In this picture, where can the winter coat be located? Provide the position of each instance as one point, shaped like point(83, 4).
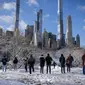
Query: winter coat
point(48, 60)
point(83, 60)
point(62, 61)
point(15, 61)
point(69, 60)
point(26, 61)
point(42, 61)
point(4, 61)
point(31, 61)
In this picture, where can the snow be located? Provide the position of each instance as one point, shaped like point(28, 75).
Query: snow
point(20, 77)
point(8, 82)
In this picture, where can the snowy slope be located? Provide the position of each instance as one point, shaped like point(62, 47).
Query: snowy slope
point(19, 77)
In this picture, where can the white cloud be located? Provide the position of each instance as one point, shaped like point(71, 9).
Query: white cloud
point(9, 6)
point(1, 26)
point(33, 2)
point(22, 25)
point(7, 19)
point(55, 21)
point(46, 16)
point(11, 27)
point(84, 27)
point(84, 20)
point(81, 7)
point(35, 11)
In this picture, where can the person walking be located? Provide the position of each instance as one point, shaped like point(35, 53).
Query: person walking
point(31, 62)
point(48, 63)
point(83, 63)
point(15, 62)
point(62, 62)
point(26, 64)
point(4, 62)
point(42, 64)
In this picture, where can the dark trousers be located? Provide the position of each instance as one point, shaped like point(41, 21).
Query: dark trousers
point(15, 66)
point(41, 69)
point(49, 68)
point(54, 66)
point(84, 70)
point(68, 68)
point(26, 68)
point(31, 68)
point(62, 69)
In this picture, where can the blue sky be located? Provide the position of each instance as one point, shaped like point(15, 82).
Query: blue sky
point(75, 8)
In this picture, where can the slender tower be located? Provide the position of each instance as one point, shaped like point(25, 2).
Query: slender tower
point(60, 25)
point(16, 29)
point(17, 18)
point(69, 31)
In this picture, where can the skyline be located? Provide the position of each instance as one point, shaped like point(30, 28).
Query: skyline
point(28, 15)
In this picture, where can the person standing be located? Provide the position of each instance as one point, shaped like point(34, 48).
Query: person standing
point(26, 64)
point(83, 63)
point(42, 63)
point(62, 62)
point(4, 62)
point(69, 61)
point(54, 64)
point(48, 63)
point(68, 64)
point(15, 62)
point(31, 62)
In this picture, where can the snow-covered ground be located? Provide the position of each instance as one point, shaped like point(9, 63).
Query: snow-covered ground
point(20, 77)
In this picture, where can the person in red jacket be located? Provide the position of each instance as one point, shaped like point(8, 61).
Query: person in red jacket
point(83, 63)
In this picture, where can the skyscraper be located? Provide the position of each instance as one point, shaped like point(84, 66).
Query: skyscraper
point(29, 33)
point(78, 40)
point(35, 34)
point(16, 30)
point(38, 17)
point(60, 24)
point(69, 31)
point(38, 29)
point(39, 20)
point(1, 31)
point(45, 39)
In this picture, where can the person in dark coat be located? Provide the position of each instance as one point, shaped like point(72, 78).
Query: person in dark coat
point(31, 62)
point(4, 62)
point(42, 64)
point(68, 64)
point(83, 63)
point(15, 62)
point(69, 61)
point(48, 63)
point(62, 62)
point(26, 64)
point(54, 64)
